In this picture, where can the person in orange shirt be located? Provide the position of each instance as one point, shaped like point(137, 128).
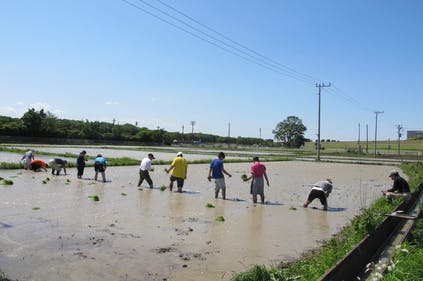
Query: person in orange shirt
point(38, 165)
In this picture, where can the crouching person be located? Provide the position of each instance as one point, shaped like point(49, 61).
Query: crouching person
point(320, 190)
point(38, 165)
point(57, 164)
point(400, 188)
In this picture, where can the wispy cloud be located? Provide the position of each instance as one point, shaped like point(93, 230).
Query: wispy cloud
point(9, 111)
point(111, 103)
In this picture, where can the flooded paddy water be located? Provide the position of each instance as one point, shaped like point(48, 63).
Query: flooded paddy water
point(54, 231)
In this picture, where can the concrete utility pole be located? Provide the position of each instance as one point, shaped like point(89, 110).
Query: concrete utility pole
point(376, 113)
point(358, 142)
point(229, 129)
point(319, 86)
point(192, 129)
point(399, 128)
point(367, 139)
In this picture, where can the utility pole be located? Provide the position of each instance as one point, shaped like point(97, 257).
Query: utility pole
point(399, 128)
point(183, 132)
point(376, 113)
point(319, 86)
point(367, 139)
point(229, 130)
point(192, 129)
point(358, 142)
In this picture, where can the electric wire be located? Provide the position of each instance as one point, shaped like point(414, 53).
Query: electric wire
point(235, 48)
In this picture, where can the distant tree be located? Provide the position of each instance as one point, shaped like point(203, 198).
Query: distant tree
point(290, 132)
point(32, 121)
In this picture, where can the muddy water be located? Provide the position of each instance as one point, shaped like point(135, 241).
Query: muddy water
point(133, 234)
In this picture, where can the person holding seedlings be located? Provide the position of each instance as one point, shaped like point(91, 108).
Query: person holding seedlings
point(38, 165)
point(400, 187)
point(145, 167)
point(100, 165)
point(80, 163)
point(27, 158)
point(258, 172)
point(57, 164)
point(179, 174)
point(216, 172)
point(321, 190)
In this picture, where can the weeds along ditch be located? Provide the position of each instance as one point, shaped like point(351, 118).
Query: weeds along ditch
point(311, 265)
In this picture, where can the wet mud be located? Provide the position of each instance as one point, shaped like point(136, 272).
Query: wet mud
point(54, 230)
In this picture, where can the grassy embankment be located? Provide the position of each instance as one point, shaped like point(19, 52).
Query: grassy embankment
point(314, 264)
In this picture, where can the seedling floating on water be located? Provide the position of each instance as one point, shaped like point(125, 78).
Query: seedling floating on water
point(123, 194)
point(292, 208)
point(220, 218)
point(35, 208)
point(44, 181)
point(209, 205)
point(140, 189)
point(6, 182)
point(244, 177)
point(94, 197)
point(163, 188)
point(68, 180)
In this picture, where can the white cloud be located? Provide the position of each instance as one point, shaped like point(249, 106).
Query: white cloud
point(9, 111)
point(40, 105)
point(111, 103)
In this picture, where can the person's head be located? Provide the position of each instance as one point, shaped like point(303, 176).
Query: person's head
point(221, 155)
point(99, 155)
point(393, 174)
point(83, 152)
point(179, 154)
point(151, 156)
point(255, 159)
point(329, 180)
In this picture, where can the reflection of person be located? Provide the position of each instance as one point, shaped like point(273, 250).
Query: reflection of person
point(57, 164)
point(145, 167)
point(216, 172)
point(258, 171)
point(80, 163)
point(400, 187)
point(100, 165)
point(27, 158)
point(179, 174)
point(38, 165)
point(321, 190)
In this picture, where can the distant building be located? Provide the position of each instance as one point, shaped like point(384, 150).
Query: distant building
point(414, 134)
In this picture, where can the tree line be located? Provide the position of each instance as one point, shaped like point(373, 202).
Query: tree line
point(42, 123)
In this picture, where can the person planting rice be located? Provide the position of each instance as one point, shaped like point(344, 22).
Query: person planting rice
point(38, 165)
point(57, 164)
point(258, 171)
point(400, 187)
point(100, 165)
point(145, 167)
point(179, 174)
point(216, 172)
point(321, 190)
point(27, 158)
point(80, 163)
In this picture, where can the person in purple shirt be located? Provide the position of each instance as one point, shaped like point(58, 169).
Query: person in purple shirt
point(216, 172)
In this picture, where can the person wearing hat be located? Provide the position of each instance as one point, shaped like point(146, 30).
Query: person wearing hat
point(179, 169)
point(27, 158)
point(38, 165)
point(400, 187)
point(57, 164)
point(100, 165)
point(321, 190)
point(80, 163)
point(145, 167)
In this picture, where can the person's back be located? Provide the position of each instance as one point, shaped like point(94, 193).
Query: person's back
point(257, 169)
point(180, 167)
point(402, 185)
point(324, 186)
point(216, 165)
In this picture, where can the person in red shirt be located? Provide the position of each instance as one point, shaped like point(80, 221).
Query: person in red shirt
point(38, 165)
point(258, 172)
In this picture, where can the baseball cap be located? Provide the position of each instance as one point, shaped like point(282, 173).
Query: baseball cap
point(179, 153)
point(393, 173)
point(151, 155)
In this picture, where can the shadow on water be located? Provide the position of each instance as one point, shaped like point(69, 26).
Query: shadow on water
point(330, 209)
point(5, 225)
point(235, 200)
point(274, 203)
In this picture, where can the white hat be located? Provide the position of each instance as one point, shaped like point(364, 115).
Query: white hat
point(179, 153)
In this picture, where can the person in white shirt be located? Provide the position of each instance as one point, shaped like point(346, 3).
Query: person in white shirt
point(321, 190)
point(27, 158)
point(145, 167)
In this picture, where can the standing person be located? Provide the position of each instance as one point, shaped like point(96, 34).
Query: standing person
point(57, 164)
point(400, 187)
point(179, 174)
point(80, 163)
point(27, 158)
point(100, 165)
point(321, 190)
point(38, 165)
point(216, 172)
point(258, 171)
point(145, 167)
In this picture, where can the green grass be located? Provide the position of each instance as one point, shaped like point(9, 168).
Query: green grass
point(6, 182)
point(220, 218)
point(209, 205)
point(312, 265)
point(94, 197)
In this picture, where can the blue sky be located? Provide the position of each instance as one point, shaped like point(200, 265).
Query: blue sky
point(107, 59)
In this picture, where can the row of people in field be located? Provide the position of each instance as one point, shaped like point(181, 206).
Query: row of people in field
point(179, 166)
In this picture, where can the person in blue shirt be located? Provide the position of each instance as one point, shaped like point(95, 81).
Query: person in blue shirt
point(100, 165)
point(216, 172)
